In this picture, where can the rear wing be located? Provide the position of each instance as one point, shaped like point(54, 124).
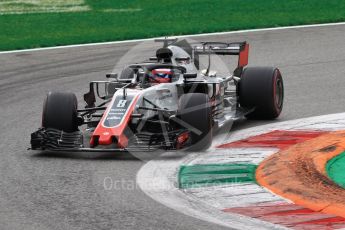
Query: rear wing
point(241, 49)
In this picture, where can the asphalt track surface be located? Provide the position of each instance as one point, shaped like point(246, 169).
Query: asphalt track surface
point(66, 191)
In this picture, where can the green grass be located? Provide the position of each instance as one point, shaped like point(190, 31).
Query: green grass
point(159, 18)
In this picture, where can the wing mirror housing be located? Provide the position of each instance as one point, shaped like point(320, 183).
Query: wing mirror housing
point(187, 76)
point(111, 75)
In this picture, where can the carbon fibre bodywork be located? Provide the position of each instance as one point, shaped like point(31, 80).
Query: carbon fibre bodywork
point(136, 114)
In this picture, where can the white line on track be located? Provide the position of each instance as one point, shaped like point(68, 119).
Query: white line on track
point(182, 36)
point(158, 178)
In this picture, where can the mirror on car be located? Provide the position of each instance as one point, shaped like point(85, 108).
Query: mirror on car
point(189, 75)
point(154, 59)
point(111, 75)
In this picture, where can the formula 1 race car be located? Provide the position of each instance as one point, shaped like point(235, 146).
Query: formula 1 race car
point(166, 102)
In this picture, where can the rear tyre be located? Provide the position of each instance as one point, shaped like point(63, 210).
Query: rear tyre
point(196, 112)
point(262, 88)
point(60, 111)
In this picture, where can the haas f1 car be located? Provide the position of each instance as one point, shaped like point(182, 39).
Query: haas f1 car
point(167, 102)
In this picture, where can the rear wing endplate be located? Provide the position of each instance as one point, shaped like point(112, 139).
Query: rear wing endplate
point(241, 49)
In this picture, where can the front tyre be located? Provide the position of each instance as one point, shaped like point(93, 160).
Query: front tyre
point(195, 111)
point(262, 88)
point(60, 111)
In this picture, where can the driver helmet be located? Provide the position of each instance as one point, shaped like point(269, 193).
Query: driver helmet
point(158, 76)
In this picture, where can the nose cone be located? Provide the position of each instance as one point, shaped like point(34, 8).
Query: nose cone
point(115, 120)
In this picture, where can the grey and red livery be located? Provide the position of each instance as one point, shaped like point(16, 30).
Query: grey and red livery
point(168, 102)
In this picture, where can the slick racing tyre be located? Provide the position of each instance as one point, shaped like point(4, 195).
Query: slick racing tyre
point(196, 112)
point(261, 88)
point(60, 111)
